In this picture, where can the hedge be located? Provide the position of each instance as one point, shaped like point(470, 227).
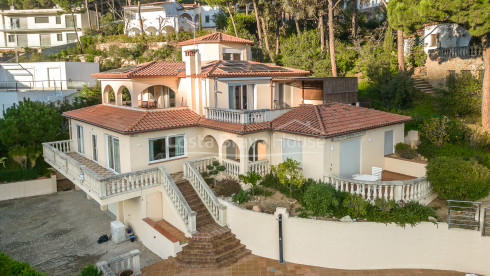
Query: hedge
point(12, 175)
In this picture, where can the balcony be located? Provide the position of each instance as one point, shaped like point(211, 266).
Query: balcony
point(453, 52)
point(242, 116)
point(99, 183)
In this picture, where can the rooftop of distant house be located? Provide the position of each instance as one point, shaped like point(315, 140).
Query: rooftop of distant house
point(216, 38)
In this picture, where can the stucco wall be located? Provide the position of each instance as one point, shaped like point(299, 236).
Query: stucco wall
point(135, 210)
point(361, 245)
point(405, 166)
point(28, 188)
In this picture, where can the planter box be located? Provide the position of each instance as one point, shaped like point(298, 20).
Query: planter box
point(405, 166)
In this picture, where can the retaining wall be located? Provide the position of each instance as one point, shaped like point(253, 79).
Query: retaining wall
point(28, 188)
point(361, 245)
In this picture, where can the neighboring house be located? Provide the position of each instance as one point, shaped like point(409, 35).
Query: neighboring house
point(43, 81)
point(164, 118)
point(168, 17)
point(369, 5)
point(40, 28)
point(451, 50)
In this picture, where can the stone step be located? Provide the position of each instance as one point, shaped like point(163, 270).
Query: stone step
point(198, 258)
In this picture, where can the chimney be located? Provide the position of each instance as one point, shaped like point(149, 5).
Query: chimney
point(192, 59)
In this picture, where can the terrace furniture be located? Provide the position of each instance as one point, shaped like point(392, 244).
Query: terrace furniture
point(366, 177)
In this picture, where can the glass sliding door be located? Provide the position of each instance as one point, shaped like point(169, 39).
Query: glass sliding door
point(95, 151)
point(240, 96)
point(113, 154)
point(80, 145)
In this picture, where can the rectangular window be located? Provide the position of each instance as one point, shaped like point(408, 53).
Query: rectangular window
point(94, 148)
point(11, 38)
point(167, 147)
point(58, 19)
point(113, 154)
point(79, 139)
point(434, 40)
point(70, 21)
point(292, 149)
point(41, 19)
point(59, 37)
point(15, 23)
point(232, 56)
point(241, 96)
point(226, 56)
point(71, 37)
point(206, 19)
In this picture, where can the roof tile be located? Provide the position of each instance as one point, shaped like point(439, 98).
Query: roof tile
point(150, 69)
point(215, 38)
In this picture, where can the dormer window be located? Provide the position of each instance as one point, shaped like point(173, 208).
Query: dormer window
point(232, 56)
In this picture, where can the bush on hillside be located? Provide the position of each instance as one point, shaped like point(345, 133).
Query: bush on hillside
point(458, 179)
point(462, 95)
point(405, 151)
point(12, 267)
point(321, 199)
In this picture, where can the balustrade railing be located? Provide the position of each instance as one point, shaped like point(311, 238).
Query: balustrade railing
point(126, 182)
point(243, 116)
point(469, 51)
point(232, 167)
point(217, 210)
point(201, 164)
point(116, 265)
point(178, 200)
point(406, 190)
point(261, 167)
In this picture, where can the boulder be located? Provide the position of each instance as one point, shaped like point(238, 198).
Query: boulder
point(432, 219)
point(346, 219)
point(256, 208)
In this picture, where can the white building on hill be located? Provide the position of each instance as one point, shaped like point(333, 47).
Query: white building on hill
point(40, 28)
point(168, 17)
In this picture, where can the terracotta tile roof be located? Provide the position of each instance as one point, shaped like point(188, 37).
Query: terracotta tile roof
point(334, 119)
point(234, 127)
point(215, 38)
point(149, 69)
point(127, 121)
point(231, 68)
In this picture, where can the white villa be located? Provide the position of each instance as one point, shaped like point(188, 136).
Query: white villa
point(40, 28)
point(140, 153)
point(168, 17)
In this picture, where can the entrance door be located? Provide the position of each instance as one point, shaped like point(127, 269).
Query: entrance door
point(54, 77)
point(350, 158)
point(388, 142)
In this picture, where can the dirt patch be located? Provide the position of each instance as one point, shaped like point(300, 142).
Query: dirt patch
point(268, 204)
point(440, 207)
point(64, 185)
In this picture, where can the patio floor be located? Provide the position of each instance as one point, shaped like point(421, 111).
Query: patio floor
point(392, 176)
point(255, 265)
point(93, 166)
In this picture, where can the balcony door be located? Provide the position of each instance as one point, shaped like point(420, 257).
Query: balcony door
point(350, 158)
point(113, 154)
point(241, 96)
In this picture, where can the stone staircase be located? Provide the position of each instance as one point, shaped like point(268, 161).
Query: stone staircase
point(213, 246)
point(422, 85)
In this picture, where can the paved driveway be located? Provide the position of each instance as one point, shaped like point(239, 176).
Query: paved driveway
point(58, 233)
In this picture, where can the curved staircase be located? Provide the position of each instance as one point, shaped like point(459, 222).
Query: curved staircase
point(213, 246)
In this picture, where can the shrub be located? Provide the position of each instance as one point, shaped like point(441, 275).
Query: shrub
point(390, 211)
point(321, 199)
point(458, 179)
point(260, 191)
point(288, 174)
point(12, 175)
point(251, 178)
point(272, 181)
point(462, 96)
point(355, 206)
point(241, 197)
point(405, 151)
point(227, 187)
point(12, 267)
point(90, 270)
point(434, 130)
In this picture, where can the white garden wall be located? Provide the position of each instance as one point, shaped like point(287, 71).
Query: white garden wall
point(361, 245)
point(28, 188)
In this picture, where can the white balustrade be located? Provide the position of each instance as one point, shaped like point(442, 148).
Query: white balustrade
point(403, 190)
point(261, 167)
point(217, 210)
point(232, 167)
point(116, 265)
point(182, 207)
point(243, 116)
point(201, 164)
